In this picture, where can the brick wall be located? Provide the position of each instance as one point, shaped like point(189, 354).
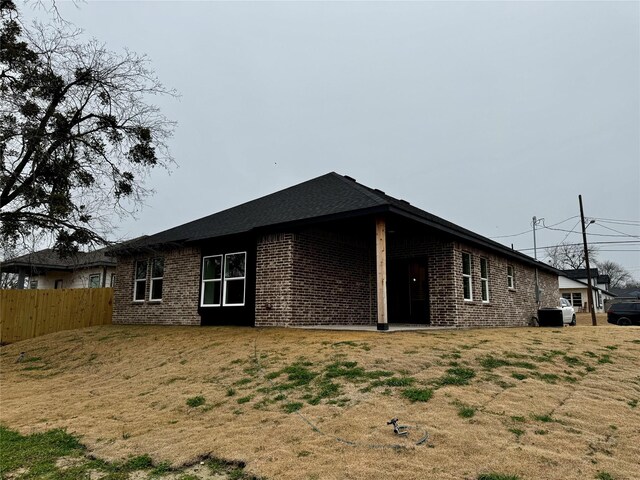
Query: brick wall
point(506, 307)
point(315, 277)
point(179, 305)
point(274, 279)
point(334, 279)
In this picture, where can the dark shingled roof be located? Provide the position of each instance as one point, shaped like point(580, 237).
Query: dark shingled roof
point(48, 259)
point(323, 198)
point(579, 273)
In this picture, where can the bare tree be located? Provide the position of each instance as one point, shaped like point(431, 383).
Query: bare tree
point(618, 275)
point(78, 135)
point(569, 256)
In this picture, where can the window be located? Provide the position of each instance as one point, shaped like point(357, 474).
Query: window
point(223, 280)
point(112, 281)
point(566, 296)
point(564, 302)
point(234, 278)
point(33, 284)
point(94, 280)
point(140, 283)
point(466, 276)
point(58, 284)
point(511, 281)
point(484, 279)
point(576, 299)
point(211, 281)
point(157, 274)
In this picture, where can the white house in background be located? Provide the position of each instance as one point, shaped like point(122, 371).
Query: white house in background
point(46, 269)
point(574, 285)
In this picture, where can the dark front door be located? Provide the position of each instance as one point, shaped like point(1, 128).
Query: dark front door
point(408, 291)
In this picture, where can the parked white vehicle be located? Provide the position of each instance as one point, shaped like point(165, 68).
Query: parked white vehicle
point(568, 312)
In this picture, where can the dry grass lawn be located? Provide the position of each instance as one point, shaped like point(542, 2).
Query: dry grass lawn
point(557, 403)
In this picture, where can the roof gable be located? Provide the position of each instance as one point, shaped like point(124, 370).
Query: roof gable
point(322, 198)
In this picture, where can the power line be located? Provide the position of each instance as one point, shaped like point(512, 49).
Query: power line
point(623, 222)
point(616, 242)
point(531, 230)
point(618, 231)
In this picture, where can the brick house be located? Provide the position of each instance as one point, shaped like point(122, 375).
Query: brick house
point(328, 251)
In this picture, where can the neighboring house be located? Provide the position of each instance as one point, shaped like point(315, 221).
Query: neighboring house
point(574, 285)
point(631, 292)
point(328, 251)
point(45, 269)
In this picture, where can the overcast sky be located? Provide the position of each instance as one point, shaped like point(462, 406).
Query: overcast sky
point(484, 113)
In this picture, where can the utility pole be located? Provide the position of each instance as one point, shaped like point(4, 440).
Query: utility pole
point(586, 261)
point(536, 222)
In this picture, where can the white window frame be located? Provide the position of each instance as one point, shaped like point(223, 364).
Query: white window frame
point(484, 281)
point(136, 280)
point(511, 277)
point(225, 279)
point(467, 277)
point(152, 289)
point(203, 281)
point(94, 275)
point(112, 280)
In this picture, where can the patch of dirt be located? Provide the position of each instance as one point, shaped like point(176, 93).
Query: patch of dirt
point(124, 391)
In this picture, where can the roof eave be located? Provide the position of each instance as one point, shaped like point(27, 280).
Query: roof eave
point(477, 240)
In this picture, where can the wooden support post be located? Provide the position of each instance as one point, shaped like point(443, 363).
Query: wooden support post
point(381, 272)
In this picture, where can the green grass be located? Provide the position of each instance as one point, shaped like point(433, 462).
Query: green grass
point(518, 432)
point(465, 411)
point(195, 401)
point(38, 453)
point(542, 418)
point(518, 376)
point(497, 476)
point(457, 376)
point(606, 358)
point(417, 394)
point(398, 382)
point(604, 476)
point(292, 407)
point(490, 362)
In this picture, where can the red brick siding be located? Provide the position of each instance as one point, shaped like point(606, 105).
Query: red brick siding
point(274, 279)
point(314, 277)
point(180, 290)
point(333, 279)
point(506, 307)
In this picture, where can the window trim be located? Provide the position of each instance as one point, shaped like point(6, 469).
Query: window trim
point(467, 277)
point(511, 277)
point(91, 276)
point(484, 281)
point(136, 280)
point(225, 279)
point(203, 281)
point(152, 278)
point(112, 280)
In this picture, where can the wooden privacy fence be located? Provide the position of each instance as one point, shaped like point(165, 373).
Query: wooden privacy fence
point(30, 313)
